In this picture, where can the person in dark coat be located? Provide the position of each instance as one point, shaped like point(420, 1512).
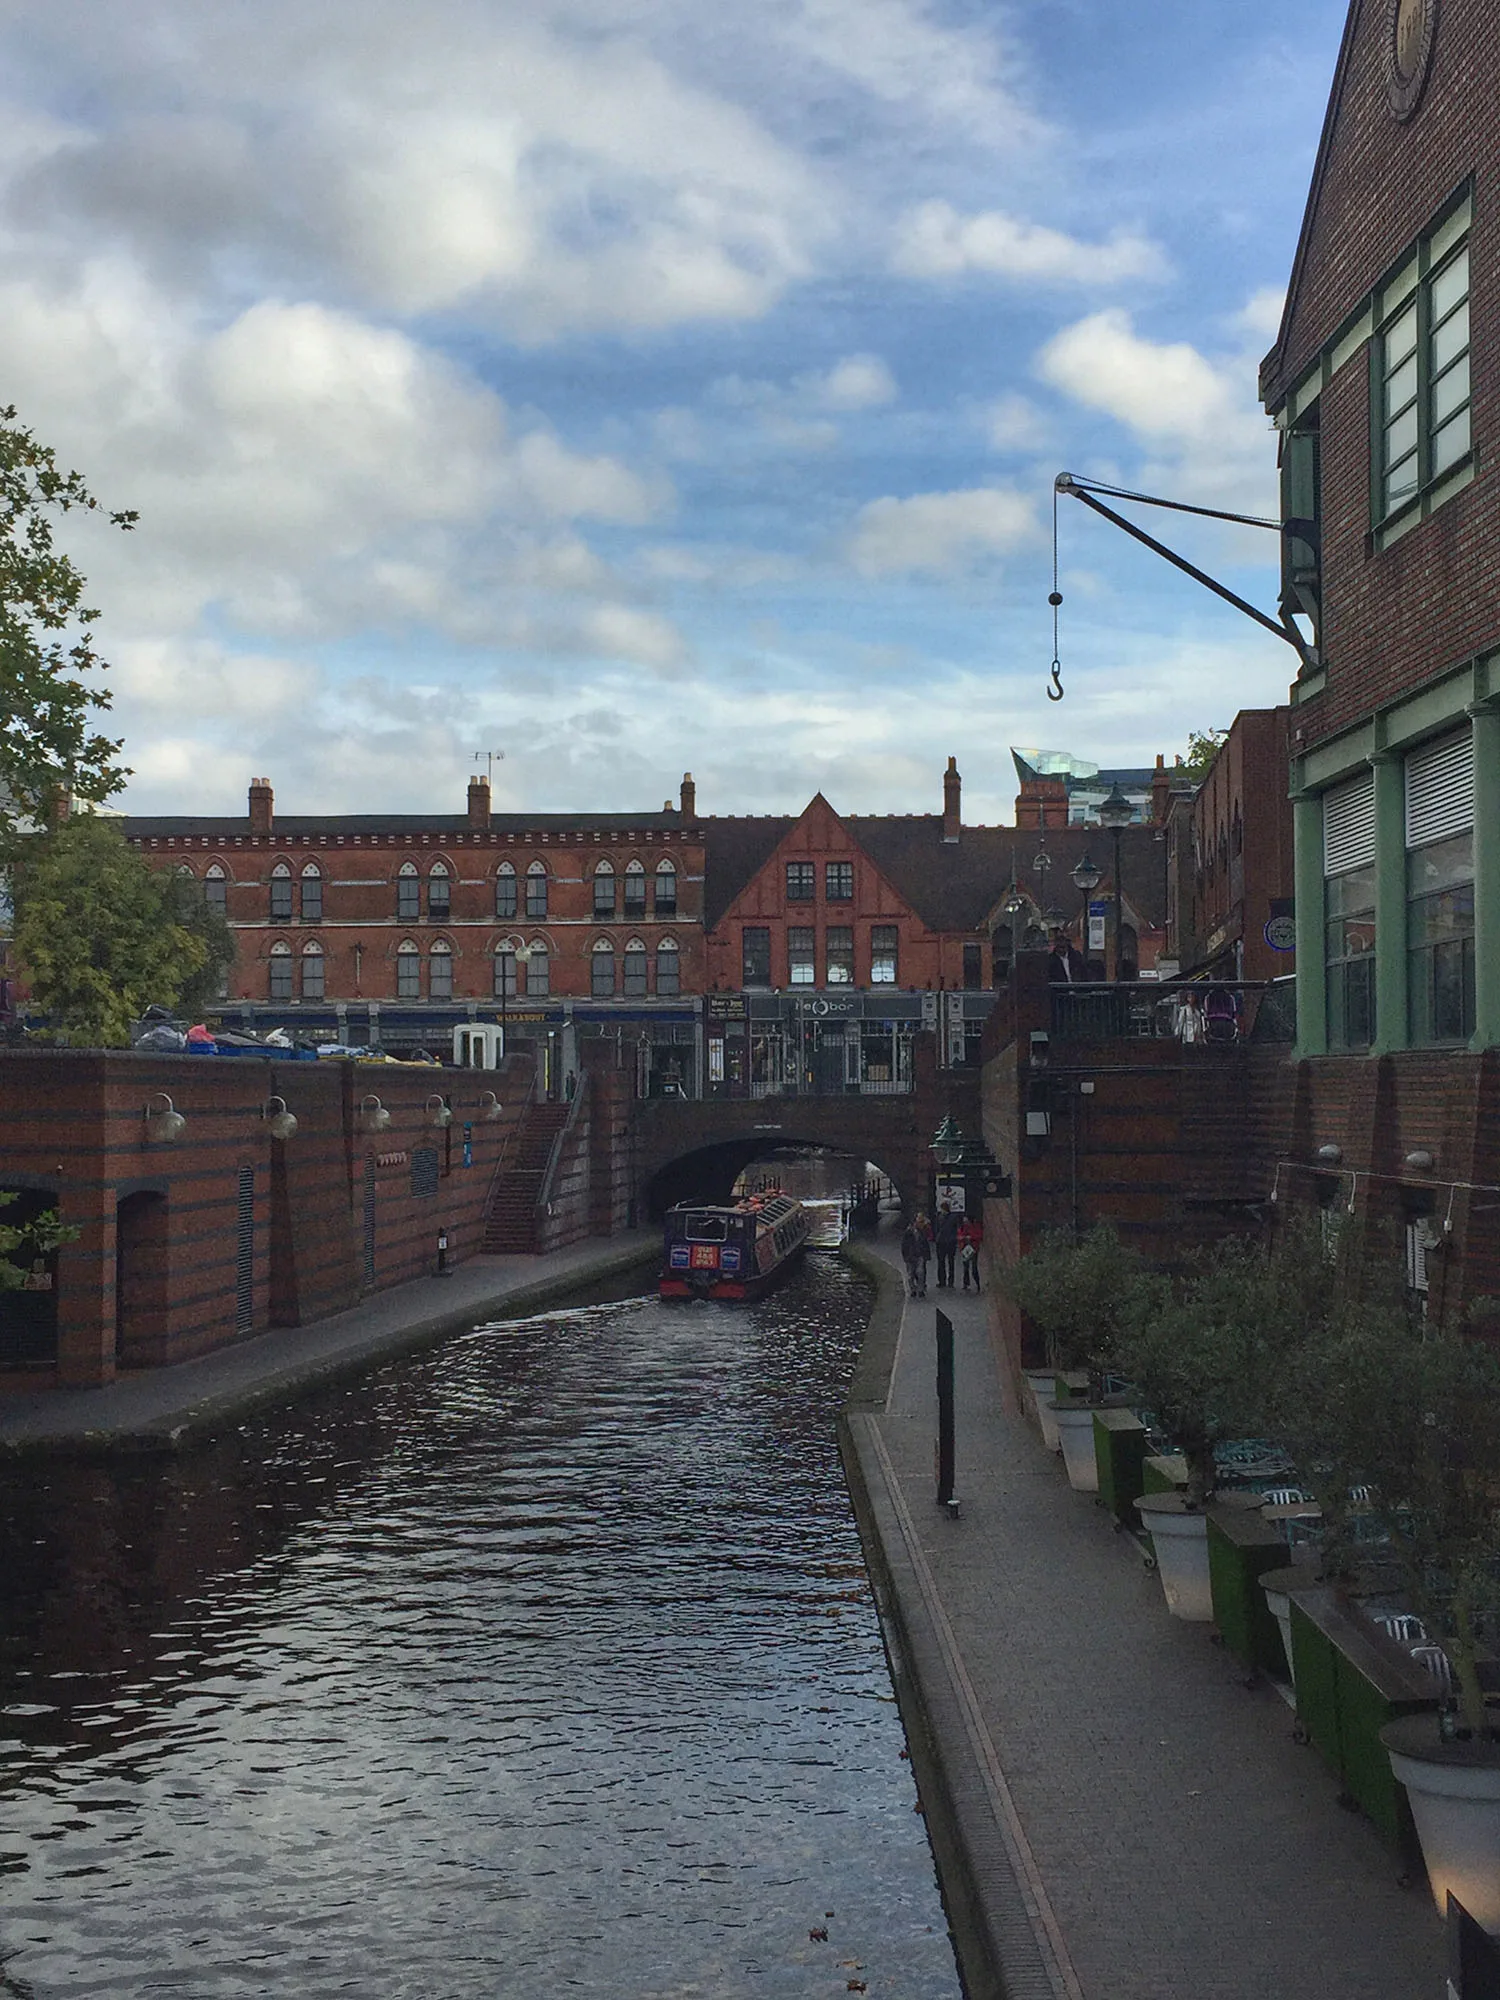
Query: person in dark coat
point(945, 1239)
point(914, 1249)
point(1066, 961)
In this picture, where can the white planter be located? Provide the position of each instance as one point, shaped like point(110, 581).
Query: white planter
point(1454, 1789)
point(1279, 1604)
point(1042, 1384)
point(1180, 1542)
point(1075, 1431)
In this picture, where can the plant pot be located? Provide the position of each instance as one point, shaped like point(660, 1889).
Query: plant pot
point(1075, 1431)
point(1454, 1790)
point(1179, 1537)
point(1042, 1385)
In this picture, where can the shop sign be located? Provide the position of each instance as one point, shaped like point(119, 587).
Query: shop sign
point(726, 1006)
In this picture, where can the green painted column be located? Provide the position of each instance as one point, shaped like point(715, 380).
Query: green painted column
point(1390, 903)
point(1312, 977)
point(1486, 722)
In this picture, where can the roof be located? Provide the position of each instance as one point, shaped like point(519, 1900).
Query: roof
point(292, 825)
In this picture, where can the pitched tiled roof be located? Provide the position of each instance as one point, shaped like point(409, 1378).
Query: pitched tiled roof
point(735, 851)
point(293, 824)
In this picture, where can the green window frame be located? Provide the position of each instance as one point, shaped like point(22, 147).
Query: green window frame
point(1421, 386)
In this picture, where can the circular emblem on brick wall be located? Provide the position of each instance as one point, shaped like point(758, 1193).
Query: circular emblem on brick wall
point(1410, 34)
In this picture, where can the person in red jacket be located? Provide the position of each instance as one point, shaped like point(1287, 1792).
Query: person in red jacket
point(970, 1236)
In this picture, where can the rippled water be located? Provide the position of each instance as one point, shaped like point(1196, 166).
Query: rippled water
point(541, 1664)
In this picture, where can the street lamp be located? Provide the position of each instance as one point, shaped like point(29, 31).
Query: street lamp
point(947, 1143)
point(520, 955)
point(1085, 878)
point(1115, 812)
point(1040, 865)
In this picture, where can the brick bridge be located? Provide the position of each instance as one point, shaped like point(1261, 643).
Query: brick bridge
point(697, 1149)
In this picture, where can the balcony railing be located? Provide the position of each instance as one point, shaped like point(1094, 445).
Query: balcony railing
point(1218, 1012)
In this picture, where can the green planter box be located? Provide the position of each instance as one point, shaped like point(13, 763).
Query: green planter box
point(1349, 1685)
point(1120, 1450)
point(1241, 1548)
point(1071, 1385)
point(1167, 1474)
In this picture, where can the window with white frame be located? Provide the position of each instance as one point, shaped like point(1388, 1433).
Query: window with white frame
point(408, 894)
point(312, 894)
point(801, 955)
point(279, 980)
point(838, 953)
point(505, 891)
point(281, 894)
point(312, 972)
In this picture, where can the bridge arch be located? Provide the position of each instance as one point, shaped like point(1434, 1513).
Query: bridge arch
point(708, 1173)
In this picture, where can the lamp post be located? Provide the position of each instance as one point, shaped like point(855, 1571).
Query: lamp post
point(1085, 877)
point(1040, 865)
point(1116, 812)
point(520, 954)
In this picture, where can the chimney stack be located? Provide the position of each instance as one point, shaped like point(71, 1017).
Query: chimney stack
point(479, 804)
point(952, 788)
point(688, 802)
point(260, 805)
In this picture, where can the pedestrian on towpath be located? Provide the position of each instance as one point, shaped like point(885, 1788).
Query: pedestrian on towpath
point(914, 1253)
point(970, 1236)
point(946, 1240)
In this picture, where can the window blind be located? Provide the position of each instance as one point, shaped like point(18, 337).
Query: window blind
point(1440, 789)
point(1349, 826)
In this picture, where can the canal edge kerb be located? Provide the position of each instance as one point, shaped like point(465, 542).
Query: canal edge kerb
point(869, 1390)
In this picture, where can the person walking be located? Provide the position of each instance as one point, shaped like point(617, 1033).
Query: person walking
point(914, 1250)
point(946, 1240)
point(1066, 962)
point(970, 1236)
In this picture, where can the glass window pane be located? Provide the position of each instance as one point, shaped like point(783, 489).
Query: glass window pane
point(1451, 442)
point(1401, 340)
point(1449, 286)
point(1450, 339)
point(1401, 389)
point(1450, 391)
point(539, 974)
point(1401, 482)
point(801, 968)
point(756, 956)
point(1401, 436)
point(667, 971)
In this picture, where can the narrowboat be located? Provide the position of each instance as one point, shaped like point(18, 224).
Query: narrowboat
point(733, 1252)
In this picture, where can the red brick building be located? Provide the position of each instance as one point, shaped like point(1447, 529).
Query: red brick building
point(1229, 845)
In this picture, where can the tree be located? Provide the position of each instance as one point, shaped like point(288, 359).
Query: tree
point(1203, 747)
point(47, 747)
point(98, 932)
point(38, 1238)
point(1080, 1296)
point(202, 989)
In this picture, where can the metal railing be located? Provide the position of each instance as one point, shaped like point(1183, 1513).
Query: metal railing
point(1211, 1012)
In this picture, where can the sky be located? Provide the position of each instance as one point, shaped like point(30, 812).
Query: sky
point(634, 387)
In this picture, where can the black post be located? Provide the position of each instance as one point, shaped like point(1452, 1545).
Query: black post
point(1118, 917)
point(1473, 1956)
point(945, 1412)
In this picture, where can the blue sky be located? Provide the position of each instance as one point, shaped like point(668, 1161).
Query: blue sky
point(637, 387)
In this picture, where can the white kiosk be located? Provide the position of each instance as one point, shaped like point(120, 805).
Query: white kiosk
point(478, 1045)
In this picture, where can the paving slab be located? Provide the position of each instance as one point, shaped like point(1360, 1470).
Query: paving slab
point(1134, 1822)
point(164, 1408)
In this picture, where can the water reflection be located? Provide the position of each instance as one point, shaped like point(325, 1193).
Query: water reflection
point(544, 1663)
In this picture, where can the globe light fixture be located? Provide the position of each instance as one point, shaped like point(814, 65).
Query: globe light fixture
point(280, 1122)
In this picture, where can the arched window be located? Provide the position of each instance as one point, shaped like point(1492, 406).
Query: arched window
point(440, 971)
point(668, 969)
point(538, 971)
point(666, 888)
point(505, 891)
point(505, 968)
point(635, 970)
point(281, 894)
point(279, 986)
point(215, 888)
point(604, 893)
point(635, 893)
point(439, 900)
point(408, 970)
point(408, 895)
point(312, 894)
point(536, 889)
point(603, 986)
point(312, 971)
point(1002, 951)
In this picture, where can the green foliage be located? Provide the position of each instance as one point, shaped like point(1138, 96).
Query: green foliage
point(201, 990)
point(1079, 1296)
point(1203, 747)
point(21, 1246)
point(47, 746)
point(1207, 1349)
point(98, 931)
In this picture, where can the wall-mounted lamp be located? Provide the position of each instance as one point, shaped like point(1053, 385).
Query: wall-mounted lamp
point(164, 1122)
point(1330, 1155)
point(1421, 1161)
point(280, 1122)
point(491, 1107)
point(373, 1116)
point(439, 1111)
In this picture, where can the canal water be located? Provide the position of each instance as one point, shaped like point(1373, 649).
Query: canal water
point(541, 1664)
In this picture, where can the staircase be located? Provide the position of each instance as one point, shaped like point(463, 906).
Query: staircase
point(511, 1222)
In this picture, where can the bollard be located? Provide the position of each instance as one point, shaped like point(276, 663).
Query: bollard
point(442, 1256)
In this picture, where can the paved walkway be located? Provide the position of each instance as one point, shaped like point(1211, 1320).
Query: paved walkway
point(160, 1408)
point(1138, 1825)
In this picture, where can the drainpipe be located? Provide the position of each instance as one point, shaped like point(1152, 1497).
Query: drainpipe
point(1312, 977)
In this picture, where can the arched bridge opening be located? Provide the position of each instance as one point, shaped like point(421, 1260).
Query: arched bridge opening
point(709, 1173)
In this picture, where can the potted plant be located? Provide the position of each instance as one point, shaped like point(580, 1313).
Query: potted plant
point(1077, 1294)
point(1412, 1414)
point(1204, 1349)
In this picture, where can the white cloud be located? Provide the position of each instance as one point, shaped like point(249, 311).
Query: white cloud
point(1014, 423)
point(1260, 316)
point(858, 382)
point(934, 241)
point(938, 533)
